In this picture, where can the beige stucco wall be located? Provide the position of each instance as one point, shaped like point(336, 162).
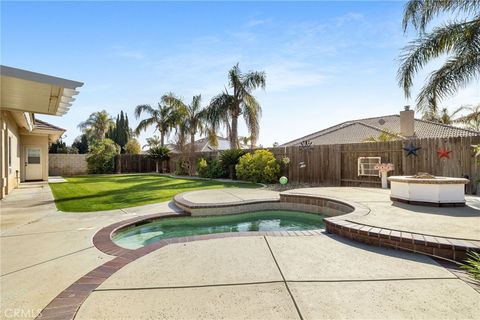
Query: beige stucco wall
point(36, 141)
point(67, 164)
point(9, 129)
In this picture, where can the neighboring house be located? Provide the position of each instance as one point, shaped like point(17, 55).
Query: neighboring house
point(403, 126)
point(203, 145)
point(25, 140)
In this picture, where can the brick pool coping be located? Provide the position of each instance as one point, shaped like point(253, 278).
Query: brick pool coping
point(68, 302)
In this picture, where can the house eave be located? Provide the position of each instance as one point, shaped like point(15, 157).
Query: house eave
point(28, 91)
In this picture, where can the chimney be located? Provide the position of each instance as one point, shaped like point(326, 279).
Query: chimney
point(407, 122)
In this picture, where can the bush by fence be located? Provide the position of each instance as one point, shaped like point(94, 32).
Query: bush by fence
point(337, 165)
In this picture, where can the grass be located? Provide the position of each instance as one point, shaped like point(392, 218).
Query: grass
point(107, 192)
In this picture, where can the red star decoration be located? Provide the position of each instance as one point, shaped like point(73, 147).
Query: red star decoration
point(444, 153)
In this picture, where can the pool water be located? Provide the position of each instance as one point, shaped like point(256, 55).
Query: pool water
point(143, 235)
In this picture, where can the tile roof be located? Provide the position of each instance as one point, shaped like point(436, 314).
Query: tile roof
point(42, 125)
point(356, 131)
point(203, 144)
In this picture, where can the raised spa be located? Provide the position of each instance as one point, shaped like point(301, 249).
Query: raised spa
point(425, 189)
point(143, 235)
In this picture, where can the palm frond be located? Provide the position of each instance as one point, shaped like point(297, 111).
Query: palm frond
point(143, 108)
point(254, 80)
point(173, 101)
point(252, 112)
point(144, 124)
point(448, 38)
point(456, 73)
point(472, 119)
point(419, 13)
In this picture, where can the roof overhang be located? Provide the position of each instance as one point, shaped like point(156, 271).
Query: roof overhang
point(24, 120)
point(27, 91)
point(42, 128)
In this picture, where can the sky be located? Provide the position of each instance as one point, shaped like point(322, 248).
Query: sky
point(326, 62)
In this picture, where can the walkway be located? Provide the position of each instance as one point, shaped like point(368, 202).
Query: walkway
point(43, 251)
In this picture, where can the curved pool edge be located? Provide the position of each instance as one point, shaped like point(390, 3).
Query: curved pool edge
point(293, 201)
point(68, 302)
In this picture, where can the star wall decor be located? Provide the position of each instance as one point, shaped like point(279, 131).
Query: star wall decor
point(443, 153)
point(412, 150)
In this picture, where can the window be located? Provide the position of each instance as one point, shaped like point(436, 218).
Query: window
point(366, 166)
point(33, 156)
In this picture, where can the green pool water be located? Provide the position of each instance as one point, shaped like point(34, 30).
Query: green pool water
point(143, 235)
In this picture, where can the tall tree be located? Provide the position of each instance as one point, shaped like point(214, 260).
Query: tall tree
point(162, 118)
point(192, 115)
point(153, 142)
point(472, 119)
point(81, 143)
point(226, 108)
point(442, 116)
point(97, 125)
point(120, 133)
point(458, 39)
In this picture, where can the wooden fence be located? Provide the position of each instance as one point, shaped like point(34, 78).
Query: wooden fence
point(337, 165)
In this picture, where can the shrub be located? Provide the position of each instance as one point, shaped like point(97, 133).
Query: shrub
point(158, 154)
point(212, 169)
point(132, 147)
point(100, 158)
point(182, 167)
point(61, 147)
point(472, 264)
point(261, 166)
point(229, 160)
point(202, 167)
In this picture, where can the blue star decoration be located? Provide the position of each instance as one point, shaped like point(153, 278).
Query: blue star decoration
point(412, 150)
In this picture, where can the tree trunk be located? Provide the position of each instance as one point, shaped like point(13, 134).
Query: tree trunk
point(192, 142)
point(156, 166)
point(192, 155)
point(234, 133)
point(162, 138)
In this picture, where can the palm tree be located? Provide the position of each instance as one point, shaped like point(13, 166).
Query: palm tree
point(244, 141)
point(153, 142)
point(458, 39)
point(384, 136)
point(97, 125)
point(472, 119)
point(442, 116)
point(225, 108)
point(191, 117)
point(158, 154)
point(162, 118)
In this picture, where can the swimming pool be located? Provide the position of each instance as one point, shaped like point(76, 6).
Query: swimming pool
point(143, 235)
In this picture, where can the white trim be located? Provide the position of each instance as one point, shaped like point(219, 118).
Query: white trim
point(39, 77)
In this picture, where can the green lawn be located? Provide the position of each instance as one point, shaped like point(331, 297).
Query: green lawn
point(106, 192)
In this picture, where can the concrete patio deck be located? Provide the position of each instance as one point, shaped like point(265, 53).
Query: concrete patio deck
point(44, 251)
point(459, 222)
point(316, 277)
